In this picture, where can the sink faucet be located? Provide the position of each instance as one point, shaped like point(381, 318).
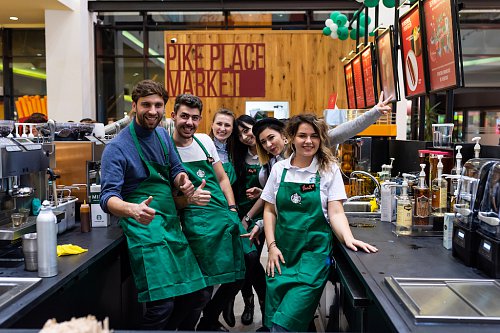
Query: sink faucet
point(376, 192)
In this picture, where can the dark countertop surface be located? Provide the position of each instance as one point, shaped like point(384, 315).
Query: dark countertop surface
point(414, 257)
point(99, 242)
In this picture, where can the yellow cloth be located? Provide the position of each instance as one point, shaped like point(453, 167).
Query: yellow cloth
point(67, 249)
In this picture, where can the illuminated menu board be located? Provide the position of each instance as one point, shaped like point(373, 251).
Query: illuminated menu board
point(358, 82)
point(441, 44)
point(349, 84)
point(386, 64)
point(369, 80)
point(412, 52)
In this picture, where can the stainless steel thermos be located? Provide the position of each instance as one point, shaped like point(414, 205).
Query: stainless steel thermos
point(46, 229)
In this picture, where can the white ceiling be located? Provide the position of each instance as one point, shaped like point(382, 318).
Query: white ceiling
point(29, 12)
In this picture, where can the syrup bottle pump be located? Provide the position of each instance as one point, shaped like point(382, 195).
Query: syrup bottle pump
point(404, 209)
point(422, 200)
point(477, 146)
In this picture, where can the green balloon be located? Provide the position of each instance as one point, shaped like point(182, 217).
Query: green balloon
point(389, 3)
point(327, 31)
point(334, 15)
point(343, 33)
point(362, 20)
point(341, 20)
point(353, 33)
point(371, 3)
point(371, 34)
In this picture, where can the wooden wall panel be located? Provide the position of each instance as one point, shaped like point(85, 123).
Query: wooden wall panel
point(302, 67)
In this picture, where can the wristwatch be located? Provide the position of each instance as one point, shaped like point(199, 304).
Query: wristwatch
point(247, 218)
point(233, 207)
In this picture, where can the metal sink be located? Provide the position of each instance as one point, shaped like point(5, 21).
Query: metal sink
point(448, 300)
point(12, 288)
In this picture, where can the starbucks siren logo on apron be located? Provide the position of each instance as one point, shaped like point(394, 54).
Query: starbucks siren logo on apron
point(200, 173)
point(296, 198)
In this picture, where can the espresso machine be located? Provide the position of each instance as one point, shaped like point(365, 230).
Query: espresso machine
point(488, 259)
point(23, 165)
point(470, 191)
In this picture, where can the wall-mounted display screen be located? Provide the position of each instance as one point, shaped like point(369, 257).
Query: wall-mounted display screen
point(349, 85)
point(357, 72)
point(386, 61)
point(442, 48)
point(368, 77)
point(411, 32)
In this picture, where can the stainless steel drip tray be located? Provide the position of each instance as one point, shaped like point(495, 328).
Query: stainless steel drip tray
point(448, 300)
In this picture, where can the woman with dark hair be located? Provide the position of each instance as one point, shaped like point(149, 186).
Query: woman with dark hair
point(247, 190)
point(303, 202)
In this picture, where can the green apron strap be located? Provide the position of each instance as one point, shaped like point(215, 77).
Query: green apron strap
point(139, 149)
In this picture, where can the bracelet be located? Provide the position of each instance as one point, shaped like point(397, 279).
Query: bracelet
point(233, 207)
point(271, 244)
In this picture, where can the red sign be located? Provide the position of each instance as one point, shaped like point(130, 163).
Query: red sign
point(440, 44)
point(358, 82)
point(366, 59)
point(386, 61)
point(216, 70)
point(332, 101)
point(349, 83)
point(411, 51)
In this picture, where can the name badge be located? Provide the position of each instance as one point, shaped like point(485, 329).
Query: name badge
point(307, 188)
point(251, 171)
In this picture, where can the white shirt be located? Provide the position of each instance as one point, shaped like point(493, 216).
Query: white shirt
point(331, 184)
point(251, 159)
point(193, 152)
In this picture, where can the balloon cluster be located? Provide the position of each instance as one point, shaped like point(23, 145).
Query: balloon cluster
point(374, 3)
point(337, 26)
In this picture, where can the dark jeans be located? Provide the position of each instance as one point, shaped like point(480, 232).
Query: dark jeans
point(157, 314)
point(255, 275)
point(187, 310)
point(222, 296)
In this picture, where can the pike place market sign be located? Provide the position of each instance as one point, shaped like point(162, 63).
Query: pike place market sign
point(216, 70)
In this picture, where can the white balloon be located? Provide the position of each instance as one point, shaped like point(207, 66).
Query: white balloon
point(346, 24)
point(328, 22)
point(334, 35)
point(360, 1)
point(334, 27)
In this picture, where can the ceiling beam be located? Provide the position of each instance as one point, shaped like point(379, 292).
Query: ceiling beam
point(221, 5)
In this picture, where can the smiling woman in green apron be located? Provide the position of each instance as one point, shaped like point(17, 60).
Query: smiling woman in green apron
point(139, 167)
point(303, 198)
point(212, 230)
point(223, 134)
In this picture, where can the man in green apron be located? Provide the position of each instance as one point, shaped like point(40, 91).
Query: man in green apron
point(213, 230)
point(139, 168)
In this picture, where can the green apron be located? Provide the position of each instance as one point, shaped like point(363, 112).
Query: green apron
point(213, 230)
point(251, 180)
point(305, 239)
point(230, 172)
point(247, 245)
point(162, 262)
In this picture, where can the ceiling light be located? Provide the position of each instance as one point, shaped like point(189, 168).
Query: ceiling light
point(14, 18)
point(33, 68)
point(135, 74)
point(39, 54)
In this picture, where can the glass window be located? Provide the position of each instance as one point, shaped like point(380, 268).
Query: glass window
point(119, 43)
point(156, 69)
point(116, 78)
point(27, 42)
point(250, 19)
point(156, 43)
point(112, 18)
point(480, 71)
point(208, 19)
point(29, 76)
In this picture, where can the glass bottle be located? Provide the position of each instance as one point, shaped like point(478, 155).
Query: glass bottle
point(422, 200)
point(403, 211)
point(439, 190)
